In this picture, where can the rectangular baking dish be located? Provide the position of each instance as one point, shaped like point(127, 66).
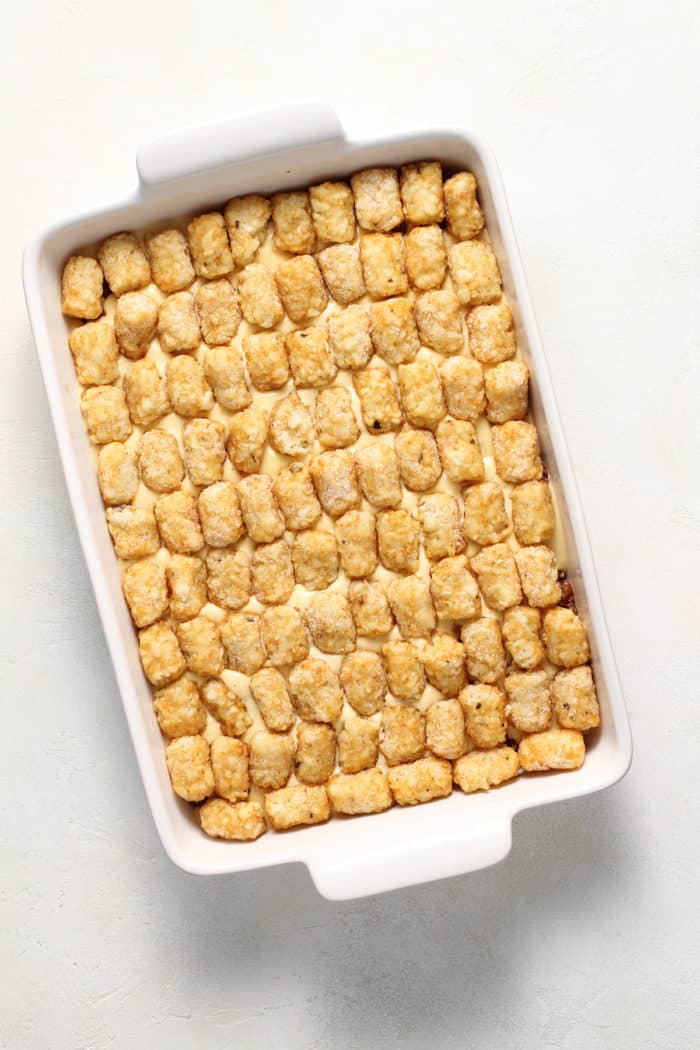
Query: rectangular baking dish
point(192, 171)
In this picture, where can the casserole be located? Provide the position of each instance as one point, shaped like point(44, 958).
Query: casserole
point(270, 151)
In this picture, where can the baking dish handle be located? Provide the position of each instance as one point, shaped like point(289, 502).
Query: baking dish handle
point(407, 865)
point(279, 129)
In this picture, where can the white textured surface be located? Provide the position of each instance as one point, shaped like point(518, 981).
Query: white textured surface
point(586, 936)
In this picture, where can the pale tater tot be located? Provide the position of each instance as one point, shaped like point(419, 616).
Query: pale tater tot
point(552, 749)
point(491, 333)
point(398, 539)
point(421, 192)
point(259, 297)
point(482, 770)
point(296, 496)
point(474, 272)
point(348, 334)
point(412, 606)
point(209, 246)
point(160, 463)
point(233, 821)
point(464, 216)
point(485, 516)
point(188, 390)
point(379, 401)
point(529, 700)
point(415, 782)
point(292, 225)
point(200, 641)
point(393, 330)
point(81, 288)
point(421, 394)
point(301, 288)
point(179, 709)
point(284, 636)
point(133, 530)
point(378, 473)
point(273, 574)
point(444, 729)
point(363, 680)
point(565, 638)
point(223, 368)
point(229, 577)
point(218, 311)
point(335, 480)
point(310, 357)
point(336, 425)
point(266, 357)
point(370, 608)
point(135, 323)
point(291, 426)
point(418, 458)
point(145, 590)
point(533, 512)
point(463, 384)
point(191, 775)
point(575, 699)
point(459, 450)
point(261, 515)
point(498, 578)
point(507, 387)
point(247, 439)
point(291, 807)
point(242, 639)
point(95, 353)
point(315, 691)
point(271, 758)
point(269, 690)
point(483, 648)
point(358, 745)
point(342, 272)
point(124, 263)
point(441, 521)
point(404, 670)
point(178, 324)
point(146, 393)
point(439, 321)
point(315, 559)
point(229, 763)
point(178, 522)
point(204, 451)
point(383, 264)
point(187, 583)
point(356, 534)
point(106, 414)
point(161, 656)
point(330, 622)
point(117, 474)
point(401, 734)
point(454, 589)
point(225, 705)
point(485, 714)
point(521, 633)
point(220, 514)
point(537, 568)
point(333, 212)
point(443, 660)
point(246, 220)
point(356, 793)
point(169, 256)
point(315, 757)
point(516, 452)
point(377, 200)
point(426, 257)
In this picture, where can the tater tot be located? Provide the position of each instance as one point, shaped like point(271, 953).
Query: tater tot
point(404, 670)
point(463, 384)
point(261, 515)
point(135, 323)
point(370, 608)
point(575, 699)
point(474, 272)
point(411, 604)
point(482, 770)
point(379, 402)
point(363, 792)
point(293, 806)
point(133, 530)
point(161, 656)
point(552, 749)
point(383, 264)
point(415, 782)
point(247, 439)
point(269, 690)
point(348, 334)
point(295, 494)
point(333, 212)
point(160, 463)
point(291, 426)
point(491, 333)
point(485, 714)
point(178, 522)
point(259, 297)
point(188, 390)
point(358, 745)
point(200, 641)
point(516, 452)
point(498, 578)
point(565, 638)
point(273, 574)
point(145, 392)
point(242, 639)
point(234, 821)
point(315, 559)
point(209, 245)
point(301, 288)
point(426, 257)
point(246, 220)
point(179, 709)
point(418, 459)
point(444, 729)
point(266, 357)
point(421, 192)
point(521, 633)
point(145, 590)
point(106, 414)
point(443, 659)
point(378, 473)
point(439, 321)
point(441, 520)
point(335, 480)
point(205, 454)
point(421, 394)
point(310, 357)
point(464, 216)
point(292, 226)
point(95, 353)
point(398, 539)
point(124, 263)
point(454, 589)
point(81, 288)
point(529, 700)
point(171, 266)
point(342, 272)
point(363, 680)
point(330, 622)
point(284, 636)
point(315, 757)
point(191, 775)
point(459, 450)
point(377, 199)
point(356, 534)
point(401, 734)
point(271, 759)
point(229, 577)
point(537, 568)
point(223, 368)
point(220, 514)
point(218, 311)
point(485, 516)
point(393, 330)
point(483, 648)
point(507, 387)
point(117, 474)
point(178, 324)
point(336, 425)
point(187, 583)
point(533, 512)
point(229, 763)
point(315, 691)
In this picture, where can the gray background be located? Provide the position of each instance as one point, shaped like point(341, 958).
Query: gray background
point(586, 936)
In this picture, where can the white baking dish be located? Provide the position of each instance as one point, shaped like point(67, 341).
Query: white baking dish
point(277, 149)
